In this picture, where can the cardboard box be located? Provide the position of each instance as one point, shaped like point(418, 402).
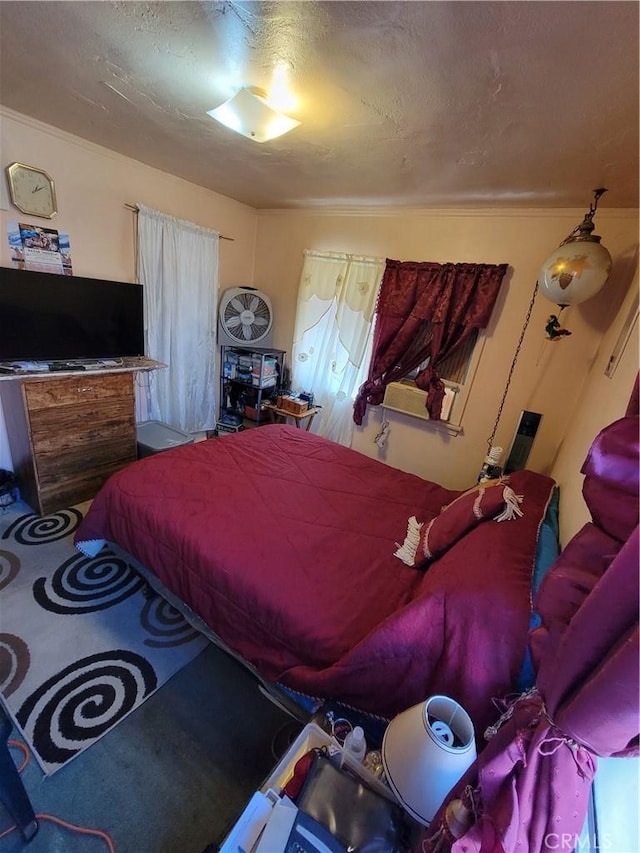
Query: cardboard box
point(224, 429)
point(293, 405)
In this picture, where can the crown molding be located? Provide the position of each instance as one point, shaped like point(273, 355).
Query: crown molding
point(65, 136)
point(373, 211)
point(108, 153)
point(573, 213)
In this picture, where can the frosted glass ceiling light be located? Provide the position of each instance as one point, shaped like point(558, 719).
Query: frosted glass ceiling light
point(250, 114)
point(580, 266)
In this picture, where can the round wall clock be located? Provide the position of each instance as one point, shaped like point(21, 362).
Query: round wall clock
point(32, 190)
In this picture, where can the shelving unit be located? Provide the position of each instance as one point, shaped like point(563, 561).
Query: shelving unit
point(249, 376)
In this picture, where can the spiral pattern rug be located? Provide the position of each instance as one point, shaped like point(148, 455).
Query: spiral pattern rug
point(83, 642)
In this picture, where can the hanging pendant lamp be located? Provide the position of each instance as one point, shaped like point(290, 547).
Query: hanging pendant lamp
point(580, 266)
point(576, 271)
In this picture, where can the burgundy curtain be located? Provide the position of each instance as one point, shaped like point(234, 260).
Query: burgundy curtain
point(425, 310)
point(532, 781)
point(535, 775)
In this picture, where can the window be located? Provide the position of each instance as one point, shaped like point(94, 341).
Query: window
point(457, 371)
point(332, 336)
point(455, 367)
point(426, 313)
point(612, 823)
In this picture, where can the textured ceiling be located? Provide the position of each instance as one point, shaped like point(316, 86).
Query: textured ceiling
point(414, 104)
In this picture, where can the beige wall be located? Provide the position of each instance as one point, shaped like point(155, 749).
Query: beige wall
point(92, 187)
point(603, 400)
point(549, 376)
point(93, 184)
point(562, 380)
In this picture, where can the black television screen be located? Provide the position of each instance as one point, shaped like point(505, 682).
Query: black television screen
point(49, 317)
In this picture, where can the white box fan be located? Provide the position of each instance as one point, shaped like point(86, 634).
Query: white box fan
point(245, 317)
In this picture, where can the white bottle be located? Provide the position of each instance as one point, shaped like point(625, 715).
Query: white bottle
point(355, 744)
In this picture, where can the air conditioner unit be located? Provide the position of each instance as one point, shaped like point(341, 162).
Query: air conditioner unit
point(410, 400)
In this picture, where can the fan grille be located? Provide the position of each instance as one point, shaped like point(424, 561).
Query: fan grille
point(246, 317)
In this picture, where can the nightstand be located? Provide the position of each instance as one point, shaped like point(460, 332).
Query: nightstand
point(277, 414)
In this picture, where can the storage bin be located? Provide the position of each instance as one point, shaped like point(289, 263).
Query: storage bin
point(154, 437)
point(289, 403)
point(313, 737)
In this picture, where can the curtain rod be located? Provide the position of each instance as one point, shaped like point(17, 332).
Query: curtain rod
point(136, 209)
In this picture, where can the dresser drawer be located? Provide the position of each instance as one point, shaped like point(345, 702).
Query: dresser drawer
point(55, 494)
point(74, 390)
point(63, 428)
point(85, 462)
point(69, 434)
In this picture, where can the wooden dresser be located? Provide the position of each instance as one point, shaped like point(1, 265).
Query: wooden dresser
point(68, 434)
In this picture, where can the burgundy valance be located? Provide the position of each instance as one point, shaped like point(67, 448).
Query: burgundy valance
point(425, 310)
point(441, 293)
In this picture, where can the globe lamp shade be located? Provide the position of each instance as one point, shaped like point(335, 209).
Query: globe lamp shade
point(425, 751)
point(575, 272)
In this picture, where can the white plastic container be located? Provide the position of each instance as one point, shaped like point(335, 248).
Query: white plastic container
point(355, 744)
point(313, 736)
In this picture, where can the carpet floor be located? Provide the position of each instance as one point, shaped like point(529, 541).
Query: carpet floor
point(83, 641)
point(170, 778)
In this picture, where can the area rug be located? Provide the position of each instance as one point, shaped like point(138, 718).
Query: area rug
point(83, 642)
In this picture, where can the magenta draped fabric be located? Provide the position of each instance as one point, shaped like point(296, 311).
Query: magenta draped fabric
point(534, 777)
point(425, 310)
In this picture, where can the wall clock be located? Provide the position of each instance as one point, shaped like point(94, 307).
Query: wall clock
point(32, 190)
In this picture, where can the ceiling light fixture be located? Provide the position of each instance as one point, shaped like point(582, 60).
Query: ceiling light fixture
point(580, 266)
point(250, 114)
point(576, 271)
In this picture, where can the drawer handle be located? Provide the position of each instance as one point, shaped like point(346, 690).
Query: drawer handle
point(85, 390)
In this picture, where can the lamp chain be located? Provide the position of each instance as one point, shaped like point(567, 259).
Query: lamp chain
point(513, 364)
point(586, 226)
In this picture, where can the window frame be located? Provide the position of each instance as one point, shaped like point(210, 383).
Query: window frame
point(462, 390)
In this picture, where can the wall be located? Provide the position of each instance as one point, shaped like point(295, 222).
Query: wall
point(603, 400)
point(92, 186)
point(549, 376)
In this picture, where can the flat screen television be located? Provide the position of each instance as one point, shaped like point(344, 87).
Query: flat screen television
point(50, 317)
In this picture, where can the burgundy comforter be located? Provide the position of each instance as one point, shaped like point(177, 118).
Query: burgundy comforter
point(283, 542)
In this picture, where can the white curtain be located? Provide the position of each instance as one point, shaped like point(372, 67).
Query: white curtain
point(178, 266)
point(332, 337)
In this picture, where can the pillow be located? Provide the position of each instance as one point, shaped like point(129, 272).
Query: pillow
point(426, 541)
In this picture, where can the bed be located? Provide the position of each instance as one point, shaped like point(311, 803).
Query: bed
point(289, 547)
